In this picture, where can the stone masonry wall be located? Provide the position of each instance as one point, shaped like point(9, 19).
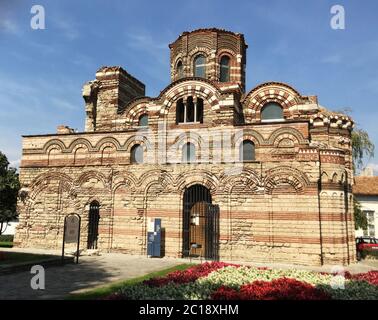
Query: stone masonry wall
point(270, 208)
point(291, 204)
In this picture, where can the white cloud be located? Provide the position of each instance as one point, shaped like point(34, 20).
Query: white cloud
point(156, 53)
point(15, 163)
point(149, 45)
point(9, 26)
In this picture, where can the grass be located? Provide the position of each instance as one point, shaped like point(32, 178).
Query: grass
point(16, 258)
point(104, 291)
point(6, 244)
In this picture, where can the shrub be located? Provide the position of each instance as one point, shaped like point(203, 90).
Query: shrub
point(6, 238)
point(354, 290)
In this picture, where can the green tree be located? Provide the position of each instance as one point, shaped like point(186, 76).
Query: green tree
point(360, 219)
point(362, 151)
point(9, 187)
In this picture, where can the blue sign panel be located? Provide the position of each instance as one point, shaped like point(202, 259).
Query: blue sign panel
point(154, 239)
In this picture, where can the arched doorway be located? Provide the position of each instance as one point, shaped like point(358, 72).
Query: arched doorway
point(200, 223)
point(94, 217)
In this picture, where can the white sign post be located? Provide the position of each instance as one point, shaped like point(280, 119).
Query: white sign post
point(71, 233)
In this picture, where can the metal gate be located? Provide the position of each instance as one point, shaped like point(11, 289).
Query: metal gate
point(200, 224)
point(94, 217)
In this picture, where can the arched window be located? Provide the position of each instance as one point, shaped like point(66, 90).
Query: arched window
point(224, 69)
point(143, 120)
point(189, 111)
point(272, 111)
point(179, 70)
point(180, 111)
point(136, 154)
point(188, 152)
point(200, 66)
point(247, 151)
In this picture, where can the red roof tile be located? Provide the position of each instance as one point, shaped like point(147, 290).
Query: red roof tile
point(365, 186)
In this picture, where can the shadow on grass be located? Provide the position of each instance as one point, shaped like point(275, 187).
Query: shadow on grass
point(8, 258)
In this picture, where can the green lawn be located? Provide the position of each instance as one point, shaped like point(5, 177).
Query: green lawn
point(6, 244)
point(113, 287)
point(6, 241)
point(15, 258)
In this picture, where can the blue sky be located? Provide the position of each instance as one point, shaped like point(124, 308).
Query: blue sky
point(42, 71)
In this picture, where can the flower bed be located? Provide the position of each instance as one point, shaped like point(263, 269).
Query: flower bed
point(186, 276)
point(221, 281)
point(279, 289)
point(370, 277)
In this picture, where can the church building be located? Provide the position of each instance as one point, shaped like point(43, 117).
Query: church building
point(260, 175)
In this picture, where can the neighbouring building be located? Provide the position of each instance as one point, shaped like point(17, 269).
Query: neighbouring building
point(365, 189)
point(263, 175)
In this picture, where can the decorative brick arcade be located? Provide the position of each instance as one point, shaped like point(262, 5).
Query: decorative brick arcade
point(276, 162)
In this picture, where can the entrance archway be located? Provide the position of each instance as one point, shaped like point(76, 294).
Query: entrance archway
point(200, 223)
point(94, 217)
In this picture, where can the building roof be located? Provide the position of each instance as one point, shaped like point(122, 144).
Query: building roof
point(217, 30)
point(366, 186)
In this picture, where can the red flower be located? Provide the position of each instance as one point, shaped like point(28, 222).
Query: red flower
point(188, 275)
point(225, 293)
point(370, 277)
point(280, 289)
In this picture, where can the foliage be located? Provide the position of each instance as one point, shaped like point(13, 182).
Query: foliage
point(9, 187)
point(230, 282)
point(6, 241)
point(353, 290)
point(360, 219)
point(362, 148)
point(368, 253)
point(6, 238)
point(362, 151)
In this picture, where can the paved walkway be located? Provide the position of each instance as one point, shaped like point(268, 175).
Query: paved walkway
point(91, 271)
point(95, 271)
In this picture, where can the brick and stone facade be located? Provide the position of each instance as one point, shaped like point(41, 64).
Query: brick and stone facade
point(291, 203)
